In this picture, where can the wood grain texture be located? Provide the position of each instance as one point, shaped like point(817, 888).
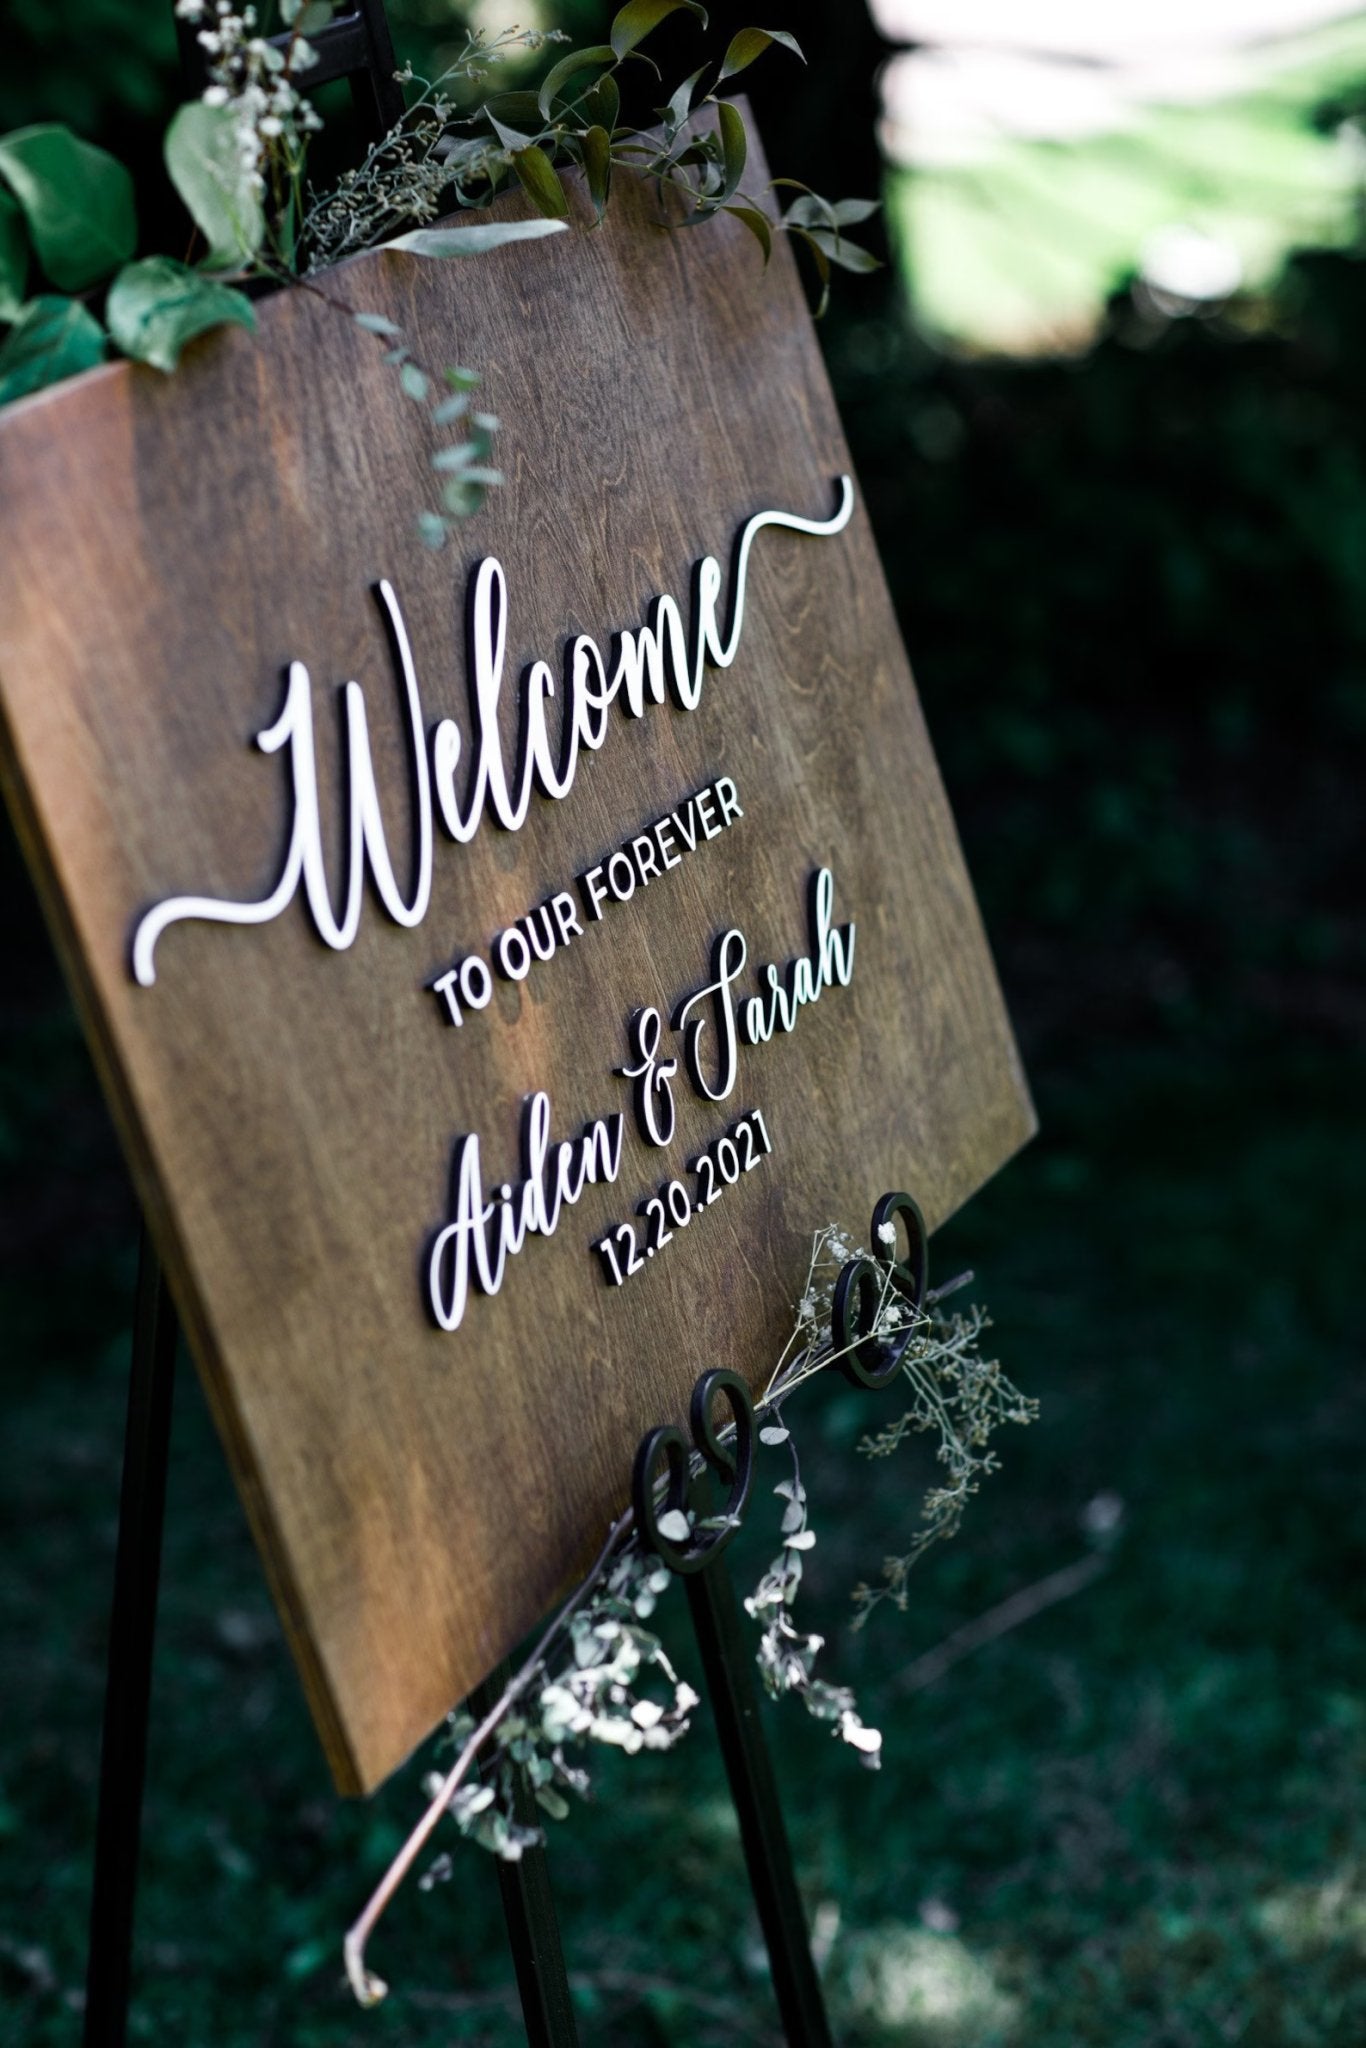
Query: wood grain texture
point(170, 545)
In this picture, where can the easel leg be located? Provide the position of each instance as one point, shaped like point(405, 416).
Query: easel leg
point(123, 1749)
point(532, 1923)
point(726, 1661)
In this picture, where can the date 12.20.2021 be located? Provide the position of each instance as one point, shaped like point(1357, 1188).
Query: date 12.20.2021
point(717, 1168)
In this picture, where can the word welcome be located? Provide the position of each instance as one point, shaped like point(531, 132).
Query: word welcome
point(647, 666)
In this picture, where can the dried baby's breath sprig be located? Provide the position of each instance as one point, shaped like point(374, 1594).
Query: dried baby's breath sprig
point(961, 1398)
point(417, 169)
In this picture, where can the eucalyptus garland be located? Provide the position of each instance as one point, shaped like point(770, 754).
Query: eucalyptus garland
point(600, 1675)
point(238, 156)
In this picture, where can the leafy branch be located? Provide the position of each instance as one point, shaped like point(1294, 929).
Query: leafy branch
point(238, 158)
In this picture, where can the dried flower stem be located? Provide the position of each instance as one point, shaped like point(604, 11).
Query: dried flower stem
point(579, 1681)
point(369, 1989)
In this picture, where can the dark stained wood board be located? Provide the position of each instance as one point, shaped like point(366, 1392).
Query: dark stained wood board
point(170, 545)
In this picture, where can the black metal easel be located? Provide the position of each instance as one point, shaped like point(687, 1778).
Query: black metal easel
point(865, 1358)
point(356, 46)
point(132, 1628)
point(533, 1928)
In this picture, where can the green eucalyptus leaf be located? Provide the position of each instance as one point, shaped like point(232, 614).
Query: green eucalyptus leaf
point(514, 117)
point(632, 23)
point(414, 382)
point(218, 189)
point(77, 201)
point(13, 256)
point(536, 175)
point(511, 138)
point(461, 498)
point(156, 306)
point(597, 165)
point(821, 261)
point(680, 106)
point(567, 68)
point(52, 338)
point(376, 323)
point(473, 240)
point(734, 146)
point(719, 184)
point(849, 212)
point(847, 255)
point(314, 17)
point(758, 224)
point(750, 43)
point(450, 410)
point(602, 106)
point(810, 211)
point(432, 528)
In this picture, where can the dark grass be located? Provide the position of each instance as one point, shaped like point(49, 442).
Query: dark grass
point(1138, 1818)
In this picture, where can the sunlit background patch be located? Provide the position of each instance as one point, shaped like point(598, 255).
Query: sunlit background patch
point(1043, 156)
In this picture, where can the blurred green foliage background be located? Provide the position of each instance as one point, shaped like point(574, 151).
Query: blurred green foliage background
point(1133, 583)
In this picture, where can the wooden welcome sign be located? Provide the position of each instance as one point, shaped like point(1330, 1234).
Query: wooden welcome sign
point(499, 961)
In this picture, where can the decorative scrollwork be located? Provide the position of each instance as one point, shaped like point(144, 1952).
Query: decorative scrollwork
point(868, 1360)
point(732, 1462)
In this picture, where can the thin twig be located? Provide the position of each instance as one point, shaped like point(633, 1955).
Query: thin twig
point(1000, 1620)
point(369, 1990)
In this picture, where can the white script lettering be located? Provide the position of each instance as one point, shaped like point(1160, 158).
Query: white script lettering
point(481, 1236)
point(647, 665)
point(830, 961)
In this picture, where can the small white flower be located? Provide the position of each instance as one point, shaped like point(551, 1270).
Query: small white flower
point(939, 1917)
point(216, 96)
point(887, 1232)
point(1103, 1514)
